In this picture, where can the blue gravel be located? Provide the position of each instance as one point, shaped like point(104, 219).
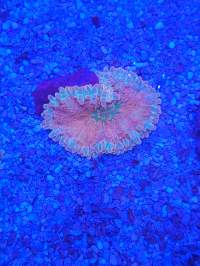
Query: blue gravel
point(140, 208)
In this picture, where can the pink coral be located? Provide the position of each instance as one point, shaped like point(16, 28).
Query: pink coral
point(111, 116)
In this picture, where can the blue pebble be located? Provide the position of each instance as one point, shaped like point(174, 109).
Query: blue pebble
point(79, 4)
point(25, 62)
point(141, 64)
point(37, 128)
point(102, 261)
point(26, 206)
point(194, 199)
point(159, 25)
point(13, 75)
point(130, 25)
point(164, 211)
point(50, 177)
point(58, 169)
point(56, 70)
point(2, 51)
point(6, 25)
point(173, 101)
point(169, 190)
point(113, 260)
point(21, 69)
point(14, 25)
point(88, 174)
point(99, 245)
point(26, 21)
point(8, 51)
point(172, 44)
point(190, 75)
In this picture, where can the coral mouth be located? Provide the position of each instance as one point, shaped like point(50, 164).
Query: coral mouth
point(106, 114)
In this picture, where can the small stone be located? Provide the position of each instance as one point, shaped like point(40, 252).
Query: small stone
point(6, 25)
point(56, 70)
point(79, 4)
point(190, 75)
point(4, 14)
point(140, 64)
point(172, 44)
point(26, 21)
point(104, 50)
point(21, 69)
point(13, 75)
point(131, 216)
point(159, 25)
point(194, 199)
point(164, 211)
point(173, 101)
point(113, 260)
point(37, 128)
point(26, 206)
point(58, 169)
point(14, 25)
point(130, 25)
point(96, 21)
point(169, 190)
point(82, 16)
point(25, 62)
point(119, 177)
point(135, 162)
point(50, 177)
point(102, 261)
point(118, 192)
point(99, 245)
point(71, 24)
point(106, 198)
point(88, 173)
point(2, 153)
point(8, 51)
point(193, 52)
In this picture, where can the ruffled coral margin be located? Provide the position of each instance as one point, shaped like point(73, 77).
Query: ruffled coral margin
point(109, 117)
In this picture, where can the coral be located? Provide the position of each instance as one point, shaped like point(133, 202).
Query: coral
point(111, 116)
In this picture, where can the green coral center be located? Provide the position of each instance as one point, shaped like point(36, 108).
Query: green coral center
point(108, 113)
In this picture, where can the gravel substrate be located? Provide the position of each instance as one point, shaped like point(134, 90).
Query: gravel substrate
point(140, 208)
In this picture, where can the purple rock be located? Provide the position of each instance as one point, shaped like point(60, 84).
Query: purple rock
point(96, 21)
point(194, 260)
point(175, 230)
point(111, 212)
point(4, 14)
point(131, 216)
point(90, 240)
point(73, 252)
point(21, 57)
point(26, 241)
point(177, 235)
point(50, 87)
point(150, 236)
point(69, 238)
point(144, 183)
point(11, 238)
point(135, 162)
point(118, 192)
